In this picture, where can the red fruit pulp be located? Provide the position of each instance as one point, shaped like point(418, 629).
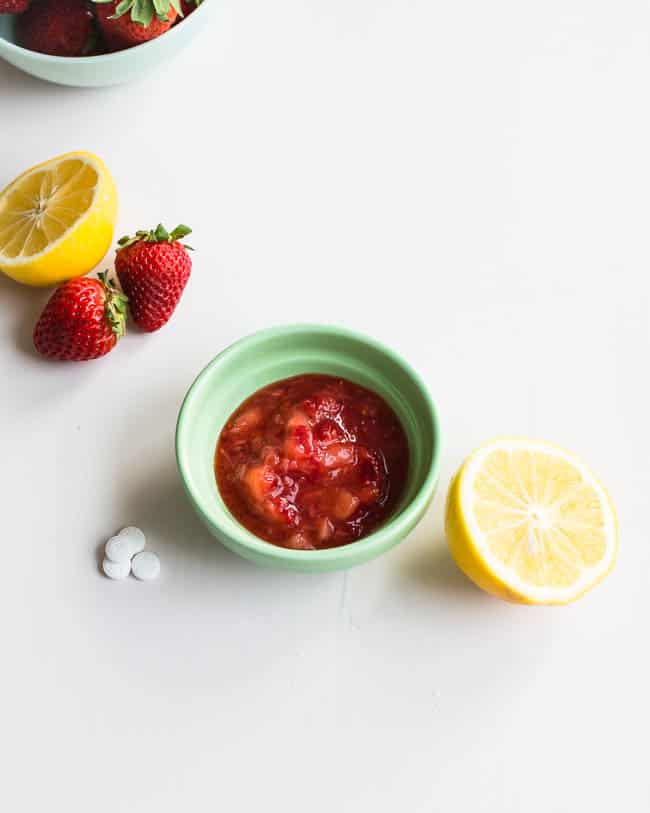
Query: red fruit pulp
point(312, 462)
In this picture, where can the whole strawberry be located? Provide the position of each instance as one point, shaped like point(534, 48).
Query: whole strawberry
point(13, 6)
point(83, 320)
point(125, 23)
point(153, 268)
point(58, 28)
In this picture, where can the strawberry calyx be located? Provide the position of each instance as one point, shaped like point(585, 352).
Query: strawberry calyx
point(157, 235)
point(143, 11)
point(115, 305)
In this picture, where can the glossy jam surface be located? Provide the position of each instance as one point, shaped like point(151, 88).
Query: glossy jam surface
point(312, 462)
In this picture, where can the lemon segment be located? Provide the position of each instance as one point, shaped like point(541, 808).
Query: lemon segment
point(528, 522)
point(57, 220)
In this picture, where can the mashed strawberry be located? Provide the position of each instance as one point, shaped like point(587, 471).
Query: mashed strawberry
point(312, 462)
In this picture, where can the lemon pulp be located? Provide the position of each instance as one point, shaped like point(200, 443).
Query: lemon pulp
point(529, 522)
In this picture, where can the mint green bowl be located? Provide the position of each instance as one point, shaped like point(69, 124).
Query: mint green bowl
point(278, 353)
point(106, 69)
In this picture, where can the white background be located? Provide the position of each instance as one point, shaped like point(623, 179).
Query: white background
point(467, 182)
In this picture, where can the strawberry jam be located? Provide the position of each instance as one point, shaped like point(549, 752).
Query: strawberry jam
point(312, 462)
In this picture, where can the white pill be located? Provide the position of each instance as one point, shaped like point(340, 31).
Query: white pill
point(145, 566)
point(124, 546)
point(116, 570)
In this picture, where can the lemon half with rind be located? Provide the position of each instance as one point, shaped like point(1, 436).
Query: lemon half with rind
point(57, 219)
point(530, 523)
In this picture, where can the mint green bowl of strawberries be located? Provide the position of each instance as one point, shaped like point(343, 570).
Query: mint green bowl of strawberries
point(78, 43)
point(274, 357)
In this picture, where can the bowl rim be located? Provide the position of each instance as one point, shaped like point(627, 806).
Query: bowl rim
point(124, 55)
point(395, 527)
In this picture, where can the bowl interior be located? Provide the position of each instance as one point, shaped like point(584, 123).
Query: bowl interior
point(103, 69)
point(279, 353)
point(8, 27)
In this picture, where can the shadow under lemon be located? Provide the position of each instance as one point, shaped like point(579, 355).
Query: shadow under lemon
point(432, 567)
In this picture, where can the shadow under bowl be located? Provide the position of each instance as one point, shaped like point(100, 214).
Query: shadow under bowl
point(278, 353)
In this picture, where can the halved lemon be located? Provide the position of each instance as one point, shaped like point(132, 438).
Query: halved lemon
point(57, 219)
point(528, 522)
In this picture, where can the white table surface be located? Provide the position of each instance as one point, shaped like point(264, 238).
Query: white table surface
point(469, 183)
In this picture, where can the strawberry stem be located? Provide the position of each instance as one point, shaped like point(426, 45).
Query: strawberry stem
point(157, 235)
point(115, 305)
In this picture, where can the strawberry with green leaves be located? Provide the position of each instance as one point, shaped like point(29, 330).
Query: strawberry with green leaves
point(153, 268)
point(125, 23)
point(83, 320)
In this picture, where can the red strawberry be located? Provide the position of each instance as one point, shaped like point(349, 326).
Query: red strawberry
point(153, 268)
point(131, 22)
point(188, 6)
point(58, 27)
point(83, 320)
point(13, 6)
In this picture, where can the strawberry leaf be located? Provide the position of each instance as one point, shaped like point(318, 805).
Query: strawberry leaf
point(157, 235)
point(121, 8)
point(161, 8)
point(179, 232)
point(143, 11)
point(161, 234)
point(115, 305)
